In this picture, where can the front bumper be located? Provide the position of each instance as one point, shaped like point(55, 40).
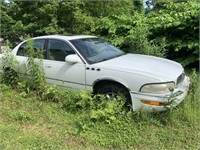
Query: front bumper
point(171, 100)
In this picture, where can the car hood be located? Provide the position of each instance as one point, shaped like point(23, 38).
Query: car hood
point(154, 67)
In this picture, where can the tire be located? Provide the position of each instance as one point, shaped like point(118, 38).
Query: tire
point(112, 90)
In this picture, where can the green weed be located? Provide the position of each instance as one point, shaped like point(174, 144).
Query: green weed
point(10, 65)
point(38, 116)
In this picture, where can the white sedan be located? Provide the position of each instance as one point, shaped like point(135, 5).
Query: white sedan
point(87, 62)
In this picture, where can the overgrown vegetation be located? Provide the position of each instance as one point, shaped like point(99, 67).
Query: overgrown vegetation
point(39, 116)
point(78, 123)
point(179, 25)
point(34, 115)
point(9, 65)
point(169, 30)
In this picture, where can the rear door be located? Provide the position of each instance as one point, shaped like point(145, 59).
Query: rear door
point(22, 53)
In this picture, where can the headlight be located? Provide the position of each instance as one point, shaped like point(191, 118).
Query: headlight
point(160, 88)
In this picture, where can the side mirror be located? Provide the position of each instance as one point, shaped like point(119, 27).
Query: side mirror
point(72, 59)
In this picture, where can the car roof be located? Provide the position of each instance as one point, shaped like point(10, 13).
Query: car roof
point(66, 37)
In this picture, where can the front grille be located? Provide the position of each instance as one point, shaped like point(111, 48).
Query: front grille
point(180, 79)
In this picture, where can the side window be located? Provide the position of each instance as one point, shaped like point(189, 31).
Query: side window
point(58, 50)
point(21, 51)
point(38, 44)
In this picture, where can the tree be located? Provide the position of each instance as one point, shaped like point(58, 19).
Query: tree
point(10, 28)
point(178, 23)
point(34, 18)
point(80, 17)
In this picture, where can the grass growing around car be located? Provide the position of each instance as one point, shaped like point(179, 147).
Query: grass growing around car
point(36, 116)
point(75, 122)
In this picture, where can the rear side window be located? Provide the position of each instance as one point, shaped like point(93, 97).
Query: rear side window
point(38, 44)
point(22, 50)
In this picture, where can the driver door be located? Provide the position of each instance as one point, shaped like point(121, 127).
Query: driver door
point(60, 72)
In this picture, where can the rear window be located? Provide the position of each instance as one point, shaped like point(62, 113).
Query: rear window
point(38, 44)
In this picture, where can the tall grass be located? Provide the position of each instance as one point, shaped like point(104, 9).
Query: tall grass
point(101, 122)
point(191, 106)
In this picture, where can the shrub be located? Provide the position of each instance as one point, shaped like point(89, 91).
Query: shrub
point(98, 107)
point(178, 23)
point(10, 66)
point(131, 34)
point(35, 70)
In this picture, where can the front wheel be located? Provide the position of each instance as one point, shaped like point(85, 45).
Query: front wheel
point(112, 90)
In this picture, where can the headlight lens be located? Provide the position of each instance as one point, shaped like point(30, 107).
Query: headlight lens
point(161, 88)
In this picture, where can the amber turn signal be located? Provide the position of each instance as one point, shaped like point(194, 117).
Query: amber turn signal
point(153, 103)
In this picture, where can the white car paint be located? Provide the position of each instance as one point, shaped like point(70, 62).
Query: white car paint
point(131, 70)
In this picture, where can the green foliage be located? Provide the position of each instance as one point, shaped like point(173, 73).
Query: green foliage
point(83, 23)
point(98, 107)
point(81, 17)
point(101, 122)
point(35, 68)
point(51, 93)
point(38, 116)
point(169, 30)
point(105, 7)
point(107, 110)
point(10, 65)
point(179, 24)
point(9, 26)
point(21, 116)
point(131, 34)
point(191, 107)
point(22, 18)
point(67, 16)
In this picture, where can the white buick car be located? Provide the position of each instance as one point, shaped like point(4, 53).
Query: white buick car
point(87, 62)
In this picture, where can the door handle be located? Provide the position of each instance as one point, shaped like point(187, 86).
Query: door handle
point(47, 66)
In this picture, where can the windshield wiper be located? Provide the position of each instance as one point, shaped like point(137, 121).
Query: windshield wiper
point(97, 42)
point(104, 59)
point(111, 57)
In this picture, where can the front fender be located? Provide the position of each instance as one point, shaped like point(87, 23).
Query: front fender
point(111, 79)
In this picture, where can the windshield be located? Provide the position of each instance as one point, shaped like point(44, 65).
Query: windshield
point(96, 50)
